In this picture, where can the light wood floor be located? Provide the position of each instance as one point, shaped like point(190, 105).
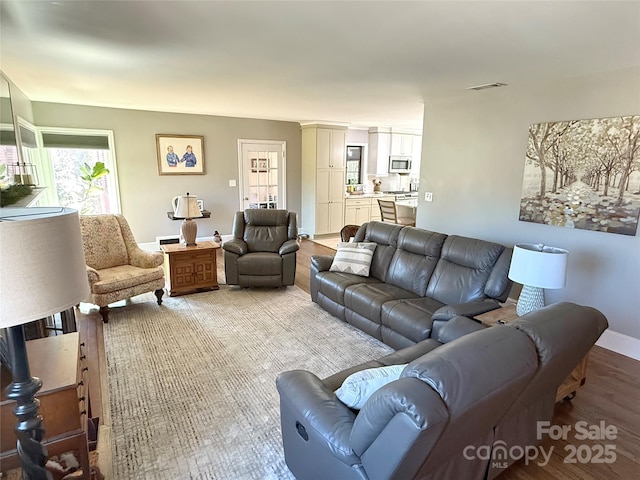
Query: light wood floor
point(611, 395)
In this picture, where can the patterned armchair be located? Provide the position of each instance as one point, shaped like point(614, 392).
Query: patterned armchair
point(117, 268)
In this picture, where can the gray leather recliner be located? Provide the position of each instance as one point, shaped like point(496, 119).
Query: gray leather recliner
point(263, 250)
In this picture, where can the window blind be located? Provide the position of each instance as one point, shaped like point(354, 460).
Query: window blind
point(63, 140)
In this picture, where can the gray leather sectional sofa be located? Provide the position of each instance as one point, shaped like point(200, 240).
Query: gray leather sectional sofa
point(418, 281)
point(466, 388)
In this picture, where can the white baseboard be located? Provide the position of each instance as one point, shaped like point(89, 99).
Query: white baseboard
point(620, 343)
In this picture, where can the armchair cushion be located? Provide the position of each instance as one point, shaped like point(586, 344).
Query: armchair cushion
point(104, 244)
point(124, 276)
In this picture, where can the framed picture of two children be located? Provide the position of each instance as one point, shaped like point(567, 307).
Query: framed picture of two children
point(180, 154)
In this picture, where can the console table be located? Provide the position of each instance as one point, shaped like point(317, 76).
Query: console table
point(64, 401)
point(576, 378)
point(191, 269)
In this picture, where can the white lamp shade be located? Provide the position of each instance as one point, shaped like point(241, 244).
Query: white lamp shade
point(42, 265)
point(187, 207)
point(539, 266)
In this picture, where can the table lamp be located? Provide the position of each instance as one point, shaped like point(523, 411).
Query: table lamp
point(537, 267)
point(43, 273)
point(187, 208)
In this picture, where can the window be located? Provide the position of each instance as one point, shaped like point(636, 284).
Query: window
point(66, 152)
point(354, 165)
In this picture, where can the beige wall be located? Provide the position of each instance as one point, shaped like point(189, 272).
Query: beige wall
point(146, 196)
point(473, 161)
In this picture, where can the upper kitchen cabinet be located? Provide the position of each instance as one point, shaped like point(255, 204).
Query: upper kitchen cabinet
point(385, 142)
point(323, 179)
point(379, 151)
point(330, 148)
point(402, 144)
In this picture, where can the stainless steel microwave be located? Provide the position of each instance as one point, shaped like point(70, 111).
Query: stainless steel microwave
point(399, 164)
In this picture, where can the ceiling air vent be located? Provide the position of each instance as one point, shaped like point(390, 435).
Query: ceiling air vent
point(487, 85)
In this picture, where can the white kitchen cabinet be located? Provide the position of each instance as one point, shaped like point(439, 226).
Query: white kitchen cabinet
point(323, 179)
point(331, 148)
point(329, 201)
point(357, 211)
point(379, 151)
point(402, 144)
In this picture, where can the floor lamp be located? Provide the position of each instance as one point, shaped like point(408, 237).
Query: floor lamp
point(537, 267)
point(43, 272)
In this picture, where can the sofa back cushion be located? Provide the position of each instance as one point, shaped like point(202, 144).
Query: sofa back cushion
point(386, 236)
point(265, 230)
point(415, 259)
point(463, 270)
point(104, 245)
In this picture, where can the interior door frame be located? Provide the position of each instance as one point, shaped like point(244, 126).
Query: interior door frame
point(282, 170)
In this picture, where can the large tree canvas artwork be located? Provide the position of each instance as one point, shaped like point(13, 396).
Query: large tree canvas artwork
point(583, 174)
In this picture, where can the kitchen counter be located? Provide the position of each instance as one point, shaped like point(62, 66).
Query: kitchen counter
point(365, 195)
point(370, 195)
point(409, 202)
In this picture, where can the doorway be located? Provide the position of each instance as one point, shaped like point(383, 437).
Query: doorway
point(262, 174)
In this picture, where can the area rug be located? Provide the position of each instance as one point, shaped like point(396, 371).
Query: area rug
point(192, 381)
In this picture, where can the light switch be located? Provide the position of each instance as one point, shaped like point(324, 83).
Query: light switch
point(232, 183)
point(428, 197)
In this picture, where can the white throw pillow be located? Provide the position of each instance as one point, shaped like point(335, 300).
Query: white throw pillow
point(353, 258)
point(358, 387)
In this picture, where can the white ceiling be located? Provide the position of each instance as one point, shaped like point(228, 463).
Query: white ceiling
point(359, 63)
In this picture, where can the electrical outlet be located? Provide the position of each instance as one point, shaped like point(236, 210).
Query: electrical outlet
point(428, 197)
point(232, 183)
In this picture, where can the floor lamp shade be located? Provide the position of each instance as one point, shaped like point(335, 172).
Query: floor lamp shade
point(43, 269)
point(42, 272)
point(537, 267)
point(187, 208)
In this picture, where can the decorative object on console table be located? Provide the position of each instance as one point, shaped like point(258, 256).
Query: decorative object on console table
point(191, 269)
point(577, 378)
point(537, 267)
point(188, 209)
point(38, 247)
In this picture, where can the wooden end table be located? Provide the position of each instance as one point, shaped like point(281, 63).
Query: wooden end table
point(191, 269)
point(576, 378)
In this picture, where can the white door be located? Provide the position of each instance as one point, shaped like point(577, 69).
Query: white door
point(261, 165)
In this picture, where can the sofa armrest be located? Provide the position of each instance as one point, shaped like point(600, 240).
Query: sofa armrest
point(289, 246)
point(235, 245)
point(92, 275)
point(458, 327)
point(140, 258)
point(321, 263)
point(318, 411)
point(469, 309)
point(402, 409)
